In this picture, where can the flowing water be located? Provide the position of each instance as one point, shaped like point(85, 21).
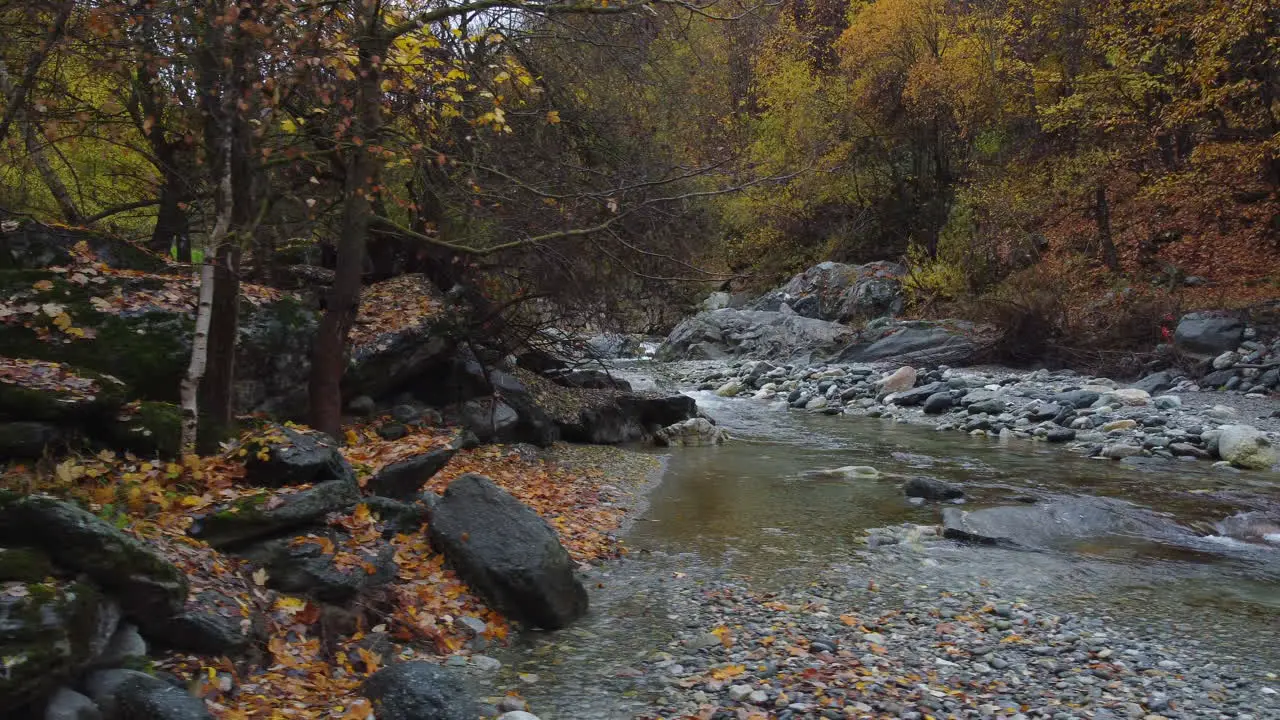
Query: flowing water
point(753, 511)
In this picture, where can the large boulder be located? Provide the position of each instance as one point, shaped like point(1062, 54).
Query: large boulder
point(24, 439)
point(625, 418)
point(840, 293)
point(507, 553)
point(757, 334)
point(145, 584)
point(919, 342)
point(1244, 446)
point(1208, 334)
point(267, 515)
point(48, 632)
point(213, 624)
point(132, 695)
point(419, 691)
point(31, 246)
point(276, 456)
point(404, 479)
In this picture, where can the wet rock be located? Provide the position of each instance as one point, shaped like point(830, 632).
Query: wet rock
point(1056, 522)
point(419, 691)
point(125, 646)
point(213, 624)
point(131, 695)
point(139, 578)
point(1120, 451)
point(278, 456)
point(1077, 398)
point(730, 389)
point(1155, 382)
point(1219, 378)
point(754, 333)
point(1060, 435)
point(491, 419)
point(404, 479)
point(265, 515)
point(917, 396)
point(931, 489)
point(507, 553)
point(590, 379)
point(1245, 447)
point(690, 433)
point(918, 342)
point(628, 418)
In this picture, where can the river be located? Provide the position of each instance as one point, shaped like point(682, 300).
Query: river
point(751, 512)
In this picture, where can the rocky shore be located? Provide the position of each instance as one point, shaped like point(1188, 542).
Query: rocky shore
point(1095, 416)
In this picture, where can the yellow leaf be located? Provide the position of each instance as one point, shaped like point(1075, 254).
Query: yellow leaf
point(553, 117)
point(728, 671)
point(43, 285)
point(291, 605)
point(288, 125)
point(352, 437)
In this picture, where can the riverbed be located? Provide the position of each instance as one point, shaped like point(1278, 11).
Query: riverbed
point(753, 516)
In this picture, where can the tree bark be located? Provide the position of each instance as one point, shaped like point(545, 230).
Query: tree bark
point(1108, 246)
point(328, 359)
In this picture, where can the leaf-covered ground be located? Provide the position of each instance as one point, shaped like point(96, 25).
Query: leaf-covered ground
point(313, 659)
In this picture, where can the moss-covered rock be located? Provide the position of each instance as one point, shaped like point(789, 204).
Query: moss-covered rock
point(33, 245)
point(48, 631)
point(251, 518)
point(144, 583)
point(146, 428)
point(276, 456)
point(25, 565)
point(30, 439)
point(71, 395)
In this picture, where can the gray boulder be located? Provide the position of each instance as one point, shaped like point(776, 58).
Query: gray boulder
point(627, 418)
point(689, 433)
point(507, 553)
point(211, 625)
point(491, 419)
point(277, 456)
point(404, 479)
point(1156, 382)
point(27, 439)
point(1056, 523)
point(916, 396)
point(67, 704)
point(419, 691)
point(132, 695)
point(1208, 334)
point(840, 293)
point(295, 565)
point(760, 334)
point(916, 342)
point(590, 379)
point(1244, 446)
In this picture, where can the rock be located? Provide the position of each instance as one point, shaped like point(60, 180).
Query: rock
point(919, 342)
point(145, 428)
point(24, 564)
point(1245, 447)
point(1256, 527)
point(628, 418)
point(917, 396)
point(1059, 522)
point(362, 405)
point(1120, 451)
point(144, 583)
point(29, 439)
point(1167, 402)
point(296, 565)
point(994, 406)
point(904, 378)
point(756, 334)
point(125, 646)
point(265, 515)
point(1119, 425)
point(931, 489)
point(1131, 396)
point(1188, 450)
point(404, 479)
point(590, 379)
point(1226, 360)
point(1077, 398)
point(491, 419)
point(1060, 435)
point(1222, 412)
point(277, 456)
point(400, 516)
point(612, 347)
point(212, 624)
point(132, 695)
point(848, 472)
point(840, 293)
point(1219, 378)
point(1155, 382)
point(507, 553)
point(48, 632)
point(730, 389)
point(1208, 334)
point(938, 403)
point(517, 715)
point(419, 691)
point(392, 431)
point(67, 704)
point(691, 433)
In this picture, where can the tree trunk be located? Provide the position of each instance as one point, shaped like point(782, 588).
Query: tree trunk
point(191, 384)
point(217, 396)
point(328, 357)
point(57, 188)
point(1108, 246)
point(172, 228)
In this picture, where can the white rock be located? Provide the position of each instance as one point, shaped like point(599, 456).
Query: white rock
point(904, 378)
point(1167, 402)
point(1222, 412)
point(1226, 360)
point(1244, 446)
point(518, 715)
point(1132, 396)
point(730, 389)
point(737, 693)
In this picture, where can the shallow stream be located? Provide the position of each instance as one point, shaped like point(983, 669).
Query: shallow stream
point(751, 512)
